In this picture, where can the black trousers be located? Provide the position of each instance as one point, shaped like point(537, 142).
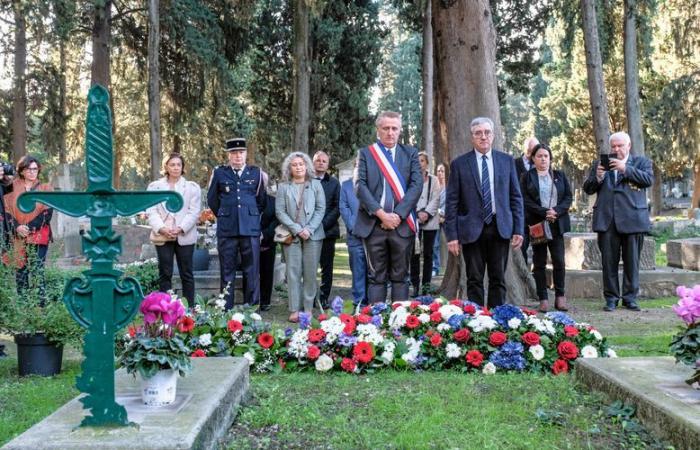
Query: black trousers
point(489, 252)
point(34, 265)
point(166, 253)
point(267, 272)
point(612, 245)
point(249, 249)
point(326, 263)
point(539, 262)
point(427, 241)
point(526, 243)
point(388, 259)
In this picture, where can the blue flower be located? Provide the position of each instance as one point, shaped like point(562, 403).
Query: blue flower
point(456, 321)
point(337, 305)
point(379, 308)
point(288, 332)
point(424, 299)
point(509, 357)
point(503, 313)
point(560, 318)
point(304, 320)
point(346, 340)
point(377, 320)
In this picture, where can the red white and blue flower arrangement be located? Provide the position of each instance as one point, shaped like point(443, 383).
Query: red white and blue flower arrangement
point(424, 334)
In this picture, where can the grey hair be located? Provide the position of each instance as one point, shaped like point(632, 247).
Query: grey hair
point(480, 121)
point(387, 115)
point(620, 135)
point(288, 162)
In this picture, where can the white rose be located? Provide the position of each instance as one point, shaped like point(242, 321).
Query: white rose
point(238, 317)
point(249, 356)
point(205, 340)
point(324, 363)
point(447, 311)
point(537, 352)
point(489, 369)
point(514, 323)
point(424, 318)
point(611, 353)
point(256, 316)
point(596, 334)
point(589, 352)
point(452, 350)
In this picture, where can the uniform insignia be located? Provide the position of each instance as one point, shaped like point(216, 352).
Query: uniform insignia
point(228, 189)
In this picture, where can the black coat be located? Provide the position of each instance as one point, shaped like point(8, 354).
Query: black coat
point(268, 222)
point(534, 212)
point(4, 225)
point(520, 166)
point(331, 188)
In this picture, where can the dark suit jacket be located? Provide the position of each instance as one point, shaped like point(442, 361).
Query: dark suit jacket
point(534, 212)
point(520, 166)
point(331, 188)
point(349, 205)
point(370, 185)
point(625, 203)
point(268, 222)
point(236, 202)
point(464, 218)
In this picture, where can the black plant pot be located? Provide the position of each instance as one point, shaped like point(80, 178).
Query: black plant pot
point(36, 355)
point(200, 259)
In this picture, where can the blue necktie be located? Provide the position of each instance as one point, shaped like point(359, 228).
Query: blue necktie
point(388, 193)
point(486, 191)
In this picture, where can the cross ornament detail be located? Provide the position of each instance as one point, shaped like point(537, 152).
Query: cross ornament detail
point(101, 300)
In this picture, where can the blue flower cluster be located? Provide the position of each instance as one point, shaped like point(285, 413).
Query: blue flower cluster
point(560, 318)
point(379, 308)
point(503, 313)
point(337, 305)
point(456, 321)
point(509, 356)
point(377, 321)
point(305, 320)
point(346, 340)
point(425, 299)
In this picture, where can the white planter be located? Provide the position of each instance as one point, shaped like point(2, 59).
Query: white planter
point(160, 389)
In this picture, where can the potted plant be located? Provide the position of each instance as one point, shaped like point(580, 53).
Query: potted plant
point(39, 321)
point(155, 348)
point(685, 346)
point(206, 240)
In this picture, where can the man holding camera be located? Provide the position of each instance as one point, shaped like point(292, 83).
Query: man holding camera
point(6, 178)
point(620, 217)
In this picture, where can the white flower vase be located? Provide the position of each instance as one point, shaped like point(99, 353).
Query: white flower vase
point(160, 389)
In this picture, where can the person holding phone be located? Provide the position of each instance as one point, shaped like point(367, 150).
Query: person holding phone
point(620, 217)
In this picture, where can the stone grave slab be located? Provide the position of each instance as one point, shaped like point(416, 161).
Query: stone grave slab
point(656, 387)
point(206, 405)
point(582, 253)
point(684, 253)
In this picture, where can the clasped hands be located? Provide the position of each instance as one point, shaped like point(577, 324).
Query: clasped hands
point(454, 247)
point(389, 220)
point(551, 215)
point(171, 233)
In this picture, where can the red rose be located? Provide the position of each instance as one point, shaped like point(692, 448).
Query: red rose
point(429, 333)
point(462, 335)
point(474, 358)
point(132, 331)
point(436, 317)
point(347, 365)
point(567, 350)
point(435, 306)
point(322, 317)
point(185, 324)
point(485, 311)
point(316, 335)
point(414, 304)
point(363, 352)
point(570, 331)
point(560, 366)
point(349, 322)
point(469, 309)
point(199, 353)
point(366, 310)
point(497, 338)
point(234, 325)
point(528, 311)
point(364, 318)
point(265, 340)
point(456, 302)
point(313, 352)
point(412, 321)
point(531, 338)
point(436, 340)
point(395, 305)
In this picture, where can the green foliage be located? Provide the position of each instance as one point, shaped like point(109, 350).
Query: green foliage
point(146, 272)
point(685, 346)
point(148, 355)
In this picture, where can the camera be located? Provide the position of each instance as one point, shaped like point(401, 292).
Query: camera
point(8, 168)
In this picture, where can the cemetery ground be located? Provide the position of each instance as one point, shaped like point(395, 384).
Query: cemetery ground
point(391, 409)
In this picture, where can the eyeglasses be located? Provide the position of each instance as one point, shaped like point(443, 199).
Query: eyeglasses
point(31, 169)
point(481, 133)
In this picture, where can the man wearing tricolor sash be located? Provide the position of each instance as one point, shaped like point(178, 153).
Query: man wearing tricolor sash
point(388, 188)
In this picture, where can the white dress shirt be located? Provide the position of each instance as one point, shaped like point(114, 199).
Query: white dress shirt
point(392, 152)
point(489, 166)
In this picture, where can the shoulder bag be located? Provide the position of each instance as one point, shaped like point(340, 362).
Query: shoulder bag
point(282, 234)
point(160, 239)
point(541, 232)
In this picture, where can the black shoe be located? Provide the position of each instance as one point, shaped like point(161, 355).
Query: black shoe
point(610, 305)
point(632, 306)
point(265, 307)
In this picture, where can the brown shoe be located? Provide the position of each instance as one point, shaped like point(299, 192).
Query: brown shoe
point(544, 306)
point(294, 317)
point(560, 303)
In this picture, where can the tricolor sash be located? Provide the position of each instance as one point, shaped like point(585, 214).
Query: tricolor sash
point(393, 177)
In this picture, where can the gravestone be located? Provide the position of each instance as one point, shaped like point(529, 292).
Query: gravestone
point(101, 301)
point(63, 226)
point(684, 253)
point(582, 253)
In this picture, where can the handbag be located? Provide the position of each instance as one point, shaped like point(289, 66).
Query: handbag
point(283, 235)
point(541, 232)
point(40, 236)
point(160, 239)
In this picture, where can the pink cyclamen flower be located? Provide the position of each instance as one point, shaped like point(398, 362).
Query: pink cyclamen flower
point(174, 311)
point(153, 305)
point(688, 309)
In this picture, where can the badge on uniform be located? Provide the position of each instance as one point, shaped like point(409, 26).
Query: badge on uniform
point(228, 189)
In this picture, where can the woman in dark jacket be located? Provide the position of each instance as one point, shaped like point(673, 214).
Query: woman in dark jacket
point(268, 247)
point(547, 196)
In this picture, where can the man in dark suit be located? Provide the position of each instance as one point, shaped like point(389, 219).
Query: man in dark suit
point(237, 196)
point(484, 213)
point(349, 205)
point(388, 187)
point(620, 217)
point(331, 188)
point(522, 165)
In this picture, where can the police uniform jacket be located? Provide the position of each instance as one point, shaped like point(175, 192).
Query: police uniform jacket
point(236, 201)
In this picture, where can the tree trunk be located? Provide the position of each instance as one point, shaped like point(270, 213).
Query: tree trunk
point(19, 103)
point(464, 34)
point(657, 201)
point(154, 86)
point(62, 157)
point(596, 84)
point(302, 76)
point(695, 201)
point(427, 77)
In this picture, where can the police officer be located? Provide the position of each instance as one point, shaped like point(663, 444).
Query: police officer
point(237, 197)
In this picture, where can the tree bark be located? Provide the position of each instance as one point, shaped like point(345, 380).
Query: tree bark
point(62, 88)
point(596, 84)
point(465, 74)
point(154, 86)
point(302, 76)
point(427, 78)
point(19, 103)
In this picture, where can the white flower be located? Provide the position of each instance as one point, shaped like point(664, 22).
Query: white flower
point(589, 352)
point(611, 353)
point(447, 311)
point(397, 319)
point(256, 316)
point(424, 318)
point(537, 352)
point(424, 307)
point(324, 363)
point(481, 323)
point(452, 350)
point(514, 323)
point(220, 303)
point(369, 333)
point(387, 357)
point(197, 309)
point(299, 343)
point(596, 334)
point(541, 325)
point(238, 317)
point(205, 340)
point(409, 357)
point(249, 356)
point(389, 346)
point(489, 369)
point(332, 327)
point(443, 327)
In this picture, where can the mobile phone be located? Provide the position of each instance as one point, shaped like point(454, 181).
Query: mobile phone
point(605, 161)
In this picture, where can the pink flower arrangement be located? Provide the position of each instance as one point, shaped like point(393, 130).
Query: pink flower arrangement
point(160, 305)
point(684, 344)
point(688, 307)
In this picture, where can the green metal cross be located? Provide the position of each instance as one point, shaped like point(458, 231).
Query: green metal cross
point(101, 301)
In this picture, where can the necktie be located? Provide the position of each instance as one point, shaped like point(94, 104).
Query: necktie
point(388, 193)
point(486, 191)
